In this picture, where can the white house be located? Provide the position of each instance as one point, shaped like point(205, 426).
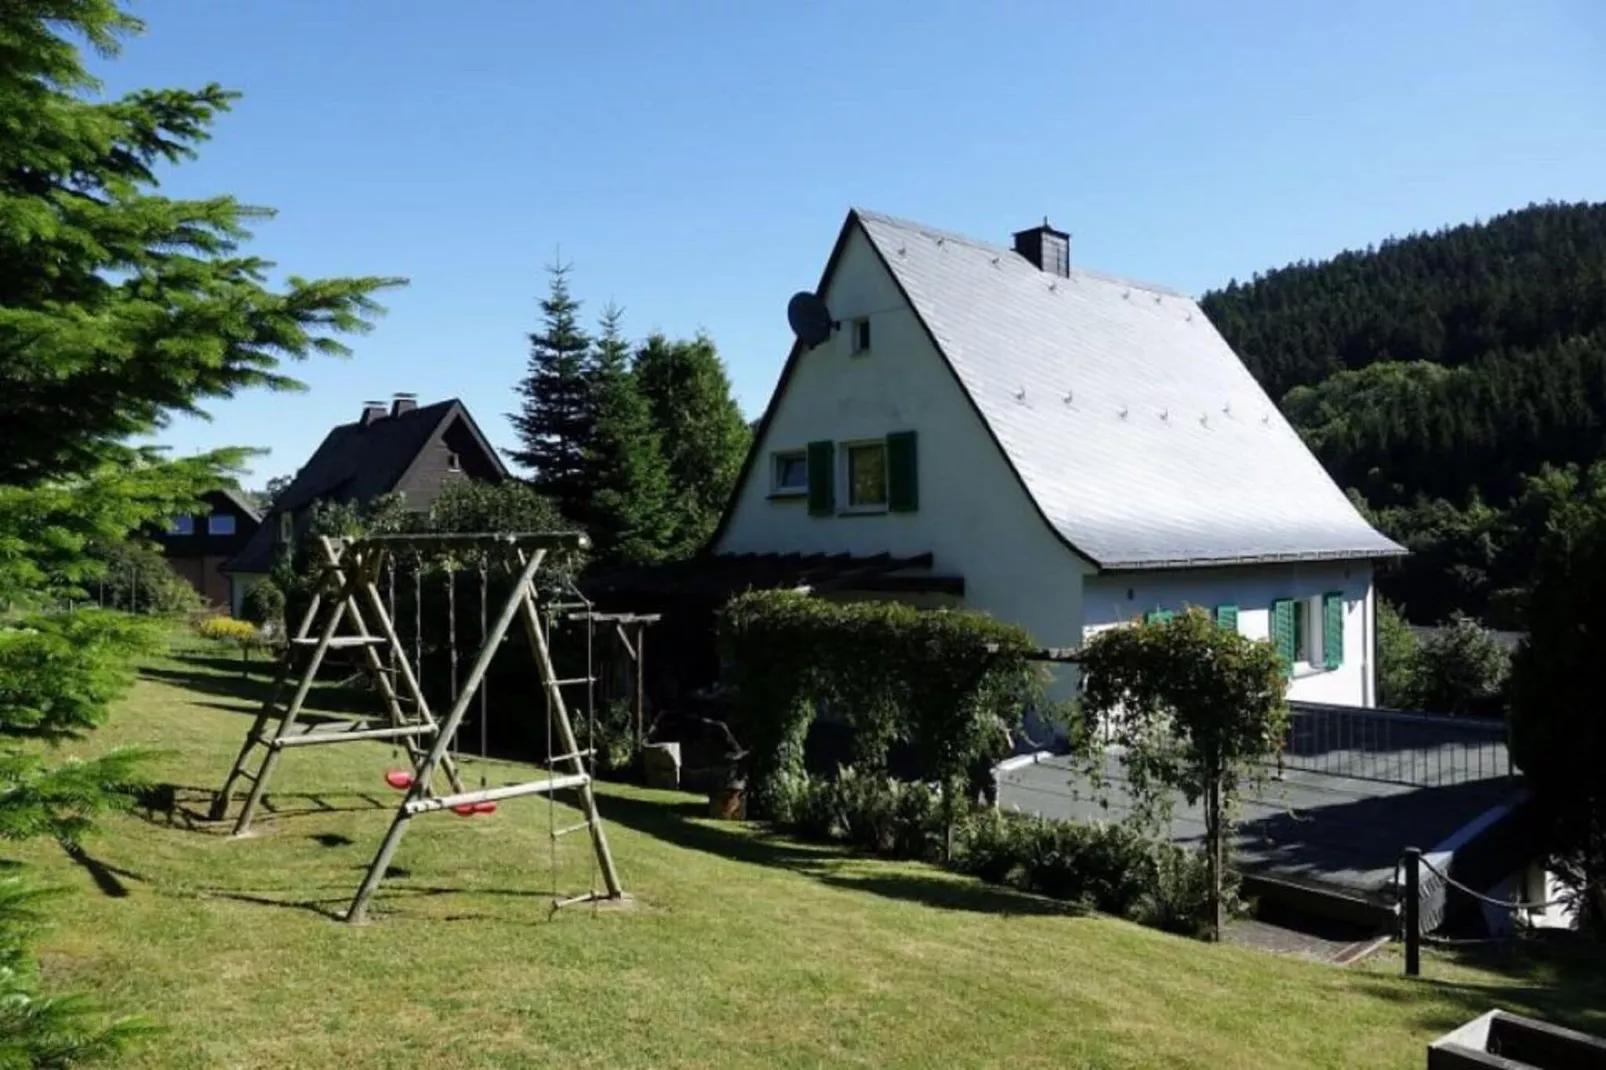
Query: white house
point(1071, 450)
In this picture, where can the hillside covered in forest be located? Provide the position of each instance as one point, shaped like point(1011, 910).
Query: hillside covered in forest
point(1455, 381)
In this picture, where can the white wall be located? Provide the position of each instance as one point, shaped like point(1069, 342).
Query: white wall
point(1112, 598)
point(973, 516)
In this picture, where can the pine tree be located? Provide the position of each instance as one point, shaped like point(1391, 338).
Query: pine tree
point(701, 428)
point(631, 505)
point(557, 421)
point(118, 308)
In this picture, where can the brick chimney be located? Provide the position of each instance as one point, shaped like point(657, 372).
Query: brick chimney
point(373, 410)
point(1048, 249)
point(403, 403)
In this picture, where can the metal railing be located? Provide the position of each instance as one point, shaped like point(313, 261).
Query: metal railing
point(1416, 749)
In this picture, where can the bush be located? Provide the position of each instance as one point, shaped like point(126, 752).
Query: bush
point(263, 605)
point(136, 578)
point(1461, 669)
point(948, 682)
point(1111, 868)
point(228, 630)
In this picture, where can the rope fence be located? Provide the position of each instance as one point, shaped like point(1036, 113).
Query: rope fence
point(1433, 889)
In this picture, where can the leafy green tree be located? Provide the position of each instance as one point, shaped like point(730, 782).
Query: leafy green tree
point(701, 428)
point(1558, 736)
point(1396, 657)
point(137, 578)
point(1196, 708)
point(118, 307)
point(633, 522)
point(556, 422)
point(1461, 668)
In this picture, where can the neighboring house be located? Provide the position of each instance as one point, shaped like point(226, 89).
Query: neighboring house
point(198, 544)
point(404, 448)
point(1069, 450)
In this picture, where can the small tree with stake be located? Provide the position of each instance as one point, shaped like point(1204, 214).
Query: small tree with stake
point(1193, 706)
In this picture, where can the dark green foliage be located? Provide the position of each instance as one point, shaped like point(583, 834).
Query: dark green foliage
point(1460, 669)
point(1558, 733)
point(700, 429)
point(58, 675)
point(39, 1031)
point(556, 422)
point(893, 673)
point(118, 308)
point(632, 500)
point(1194, 708)
point(1436, 374)
point(1110, 868)
point(1396, 656)
point(134, 576)
point(263, 604)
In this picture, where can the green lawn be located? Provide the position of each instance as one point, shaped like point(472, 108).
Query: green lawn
point(741, 950)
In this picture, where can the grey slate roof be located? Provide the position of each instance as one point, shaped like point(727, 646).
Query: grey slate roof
point(1139, 433)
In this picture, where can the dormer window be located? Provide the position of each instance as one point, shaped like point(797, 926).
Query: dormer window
point(860, 335)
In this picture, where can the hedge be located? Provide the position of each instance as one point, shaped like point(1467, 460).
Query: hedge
point(947, 682)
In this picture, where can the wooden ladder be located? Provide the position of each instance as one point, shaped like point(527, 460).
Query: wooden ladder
point(344, 585)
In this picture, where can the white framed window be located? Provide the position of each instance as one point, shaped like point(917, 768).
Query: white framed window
point(182, 525)
point(453, 463)
point(220, 524)
point(287, 527)
point(789, 472)
point(859, 335)
point(865, 474)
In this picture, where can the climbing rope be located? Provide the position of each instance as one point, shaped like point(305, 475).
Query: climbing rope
point(485, 684)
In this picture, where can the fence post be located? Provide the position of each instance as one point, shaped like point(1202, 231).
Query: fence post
point(1413, 911)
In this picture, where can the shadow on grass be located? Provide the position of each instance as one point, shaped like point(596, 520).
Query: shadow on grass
point(189, 807)
point(679, 823)
point(108, 878)
point(204, 676)
point(1555, 976)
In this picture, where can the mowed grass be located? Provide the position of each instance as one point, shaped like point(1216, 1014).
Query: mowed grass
point(740, 950)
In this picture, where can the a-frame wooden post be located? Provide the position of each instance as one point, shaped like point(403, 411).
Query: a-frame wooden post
point(343, 581)
point(520, 604)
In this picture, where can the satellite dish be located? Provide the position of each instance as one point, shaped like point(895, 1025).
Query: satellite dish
point(811, 321)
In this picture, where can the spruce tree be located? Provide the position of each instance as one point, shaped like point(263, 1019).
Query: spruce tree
point(701, 428)
point(631, 504)
point(118, 307)
point(557, 420)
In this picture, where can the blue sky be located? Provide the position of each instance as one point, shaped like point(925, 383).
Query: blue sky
point(694, 160)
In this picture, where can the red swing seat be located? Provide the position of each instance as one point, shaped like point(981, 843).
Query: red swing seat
point(400, 779)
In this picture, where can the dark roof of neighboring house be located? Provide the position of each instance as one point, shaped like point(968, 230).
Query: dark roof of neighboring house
point(359, 462)
point(240, 502)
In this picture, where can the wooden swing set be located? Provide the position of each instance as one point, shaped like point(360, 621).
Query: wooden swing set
point(348, 594)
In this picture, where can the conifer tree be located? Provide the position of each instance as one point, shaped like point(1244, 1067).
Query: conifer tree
point(557, 420)
point(118, 307)
point(701, 429)
point(631, 503)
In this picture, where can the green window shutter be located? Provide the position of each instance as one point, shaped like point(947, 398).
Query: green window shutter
point(1333, 629)
point(822, 478)
point(1282, 631)
point(1227, 617)
point(903, 473)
